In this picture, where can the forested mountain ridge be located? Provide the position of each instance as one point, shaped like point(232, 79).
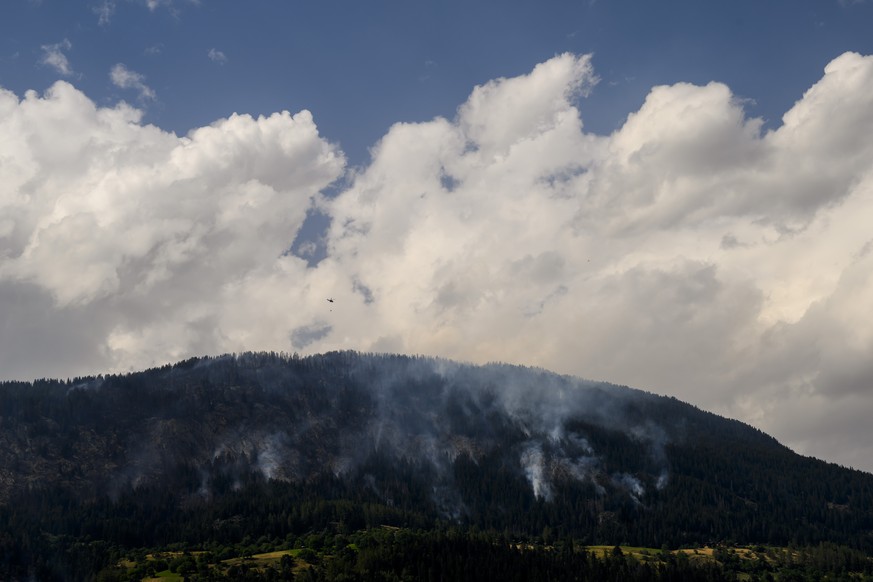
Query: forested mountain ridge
point(263, 443)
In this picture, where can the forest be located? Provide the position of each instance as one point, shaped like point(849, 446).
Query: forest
point(379, 467)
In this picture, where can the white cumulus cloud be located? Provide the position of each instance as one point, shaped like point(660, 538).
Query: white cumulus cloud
point(690, 252)
point(145, 245)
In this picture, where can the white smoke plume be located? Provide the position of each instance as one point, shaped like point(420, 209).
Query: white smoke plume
point(535, 470)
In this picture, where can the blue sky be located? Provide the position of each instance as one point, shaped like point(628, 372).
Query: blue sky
point(360, 67)
point(669, 195)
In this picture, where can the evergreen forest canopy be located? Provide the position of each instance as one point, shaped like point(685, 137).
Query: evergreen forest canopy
point(217, 452)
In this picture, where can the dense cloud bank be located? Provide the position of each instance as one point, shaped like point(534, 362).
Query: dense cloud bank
point(689, 253)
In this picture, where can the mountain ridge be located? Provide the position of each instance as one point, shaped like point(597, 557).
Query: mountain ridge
point(426, 440)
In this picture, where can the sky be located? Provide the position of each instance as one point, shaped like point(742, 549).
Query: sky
point(672, 195)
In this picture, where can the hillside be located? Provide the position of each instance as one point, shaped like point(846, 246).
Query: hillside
point(267, 444)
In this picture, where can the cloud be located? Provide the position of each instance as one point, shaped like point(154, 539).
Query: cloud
point(690, 252)
point(171, 5)
point(509, 233)
point(124, 78)
point(216, 56)
point(104, 9)
point(124, 245)
point(306, 335)
point(53, 56)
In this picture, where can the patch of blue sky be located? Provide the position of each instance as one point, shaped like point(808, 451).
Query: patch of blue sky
point(360, 67)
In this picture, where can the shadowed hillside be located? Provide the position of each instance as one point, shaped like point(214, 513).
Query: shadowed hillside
point(258, 444)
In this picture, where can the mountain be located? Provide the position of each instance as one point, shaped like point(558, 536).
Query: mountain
point(271, 444)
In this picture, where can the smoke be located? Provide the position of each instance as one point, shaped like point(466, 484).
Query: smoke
point(581, 468)
point(534, 469)
point(285, 418)
point(434, 410)
point(656, 439)
point(663, 479)
point(88, 384)
point(269, 455)
point(631, 484)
